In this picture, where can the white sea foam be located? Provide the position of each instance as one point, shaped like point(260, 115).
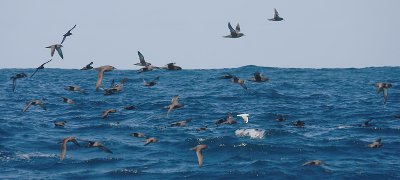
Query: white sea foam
point(252, 133)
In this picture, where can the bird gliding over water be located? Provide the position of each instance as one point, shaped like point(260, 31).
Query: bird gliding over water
point(64, 146)
point(142, 61)
point(14, 79)
point(41, 67)
point(383, 87)
point(67, 34)
point(56, 47)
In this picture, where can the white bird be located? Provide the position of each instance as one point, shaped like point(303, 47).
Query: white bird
point(245, 117)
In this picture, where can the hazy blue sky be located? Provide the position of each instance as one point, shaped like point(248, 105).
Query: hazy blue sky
point(315, 33)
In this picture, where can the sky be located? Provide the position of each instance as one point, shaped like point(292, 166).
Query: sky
point(315, 33)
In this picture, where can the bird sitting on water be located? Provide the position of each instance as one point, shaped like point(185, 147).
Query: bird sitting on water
point(171, 66)
point(276, 16)
point(181, 123)
point(376, 144)
point(15, 77)
point(383, 87)
point(313, 163)
point(235, 33)
point(151, 83)
point(227, 120)
point(258, 77)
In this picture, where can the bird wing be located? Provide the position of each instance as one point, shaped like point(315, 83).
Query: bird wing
point(170, 109)
point(90, 63)
point(14, 84)
point(42, 105)
point(37, 69)
point(105, 149)
point(75, 142)
point(276, 13)
point(243, 85)
point(63, 39)
point(63, 150)
point(60, 52)
point(141, 58)
point(27, 106)
point(47, 62)
point(199, 156)
point(53, 48)
point(233, 32)
point(99, 78)
point(72, 28)
point(385, 95)
point(237, 28)
point(156, 79)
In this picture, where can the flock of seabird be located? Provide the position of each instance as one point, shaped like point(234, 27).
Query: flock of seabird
point(147, 66)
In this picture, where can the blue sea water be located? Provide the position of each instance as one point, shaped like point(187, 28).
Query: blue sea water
point(331, 102)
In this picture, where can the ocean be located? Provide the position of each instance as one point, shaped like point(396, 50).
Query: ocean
point(333, 103)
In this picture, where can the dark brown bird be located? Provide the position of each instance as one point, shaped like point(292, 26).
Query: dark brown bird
point(64, 146)
point(199, 149)
point(56, 47)
point(95, 144)
point(138, 135)
point(299, 123)
point(130, 107)
point(107, 112)
point(181, 123)
point(41, 67)
point(100, 75)
point(313, 163)
point(73, 88)
point(383, 87)
point(67, 100)
point(228, 120)
point(280, 117)
point(376, 144)
point(60, 123)
point(67, 34)
point(15, 77)
point(150, 140)
point(88, 67)
point(276, 16)
point(202, 128)
point(147, 68)
point(235, 33)
point(171, 66)
point(35, 102)
point(258, 77)
point(142, 61)
point(151, 83)
point(239, 81)
point(174, 105)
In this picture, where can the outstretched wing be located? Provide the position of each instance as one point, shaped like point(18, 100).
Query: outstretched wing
point(60, 52)
point(237, 28)
point(47, 62)
point(63, 150)
point(99, 78)
point(27, 106)
point(233, 32)
point(14, 84)
point(63, 39)
point(199, 157)
point(72, 28)
point(156, 79)
point(385, 95)
point(141, 58)
point(276, 13)
point(53, 48)
point(103, 148)
point(37, 69)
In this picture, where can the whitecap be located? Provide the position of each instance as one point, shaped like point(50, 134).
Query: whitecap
point(252, 133)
